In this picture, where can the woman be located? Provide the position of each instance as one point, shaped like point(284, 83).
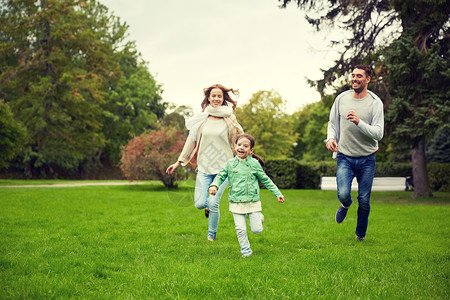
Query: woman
point(211, 137)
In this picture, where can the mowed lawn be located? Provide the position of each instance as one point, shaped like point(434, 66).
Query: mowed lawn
point(145, 242)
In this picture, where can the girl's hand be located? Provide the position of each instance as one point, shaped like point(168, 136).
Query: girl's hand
point(281, 199)
point(172, 168)
point(213, 190)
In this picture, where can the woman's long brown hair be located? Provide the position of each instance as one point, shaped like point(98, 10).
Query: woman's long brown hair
point(226, 96)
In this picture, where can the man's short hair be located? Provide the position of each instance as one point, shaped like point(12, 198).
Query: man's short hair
point(366, 69)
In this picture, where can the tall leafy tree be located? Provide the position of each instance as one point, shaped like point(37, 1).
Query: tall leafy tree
point(53, 79)
point(300, 120)
point(65, 72)
point(421, 25)
point(315, 130)
point(134, 103)
point(264, 117)
point(55, 76)
point(177, 116)
point(12, 135)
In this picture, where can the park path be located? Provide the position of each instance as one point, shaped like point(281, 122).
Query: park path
point(72, 184)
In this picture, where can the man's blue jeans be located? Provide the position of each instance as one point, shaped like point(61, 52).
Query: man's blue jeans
point(363, 168)
point(202, 200)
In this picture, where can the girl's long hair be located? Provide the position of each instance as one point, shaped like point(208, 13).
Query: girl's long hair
point(226, 97)
point(252, 145)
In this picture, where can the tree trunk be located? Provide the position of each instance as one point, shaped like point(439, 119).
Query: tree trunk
point(419, 170)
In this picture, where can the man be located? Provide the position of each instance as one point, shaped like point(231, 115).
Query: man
point(355, 126)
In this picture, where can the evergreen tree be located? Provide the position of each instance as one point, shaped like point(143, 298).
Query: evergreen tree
point(437, 151)
point(416, 34)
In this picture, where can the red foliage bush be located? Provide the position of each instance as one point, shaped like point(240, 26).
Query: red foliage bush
point(146, 157)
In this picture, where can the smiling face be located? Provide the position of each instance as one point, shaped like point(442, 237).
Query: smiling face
point(216, 97)
point(243, 148)
point(359, 80)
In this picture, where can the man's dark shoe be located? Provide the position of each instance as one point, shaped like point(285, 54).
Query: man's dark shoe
point(341, 213)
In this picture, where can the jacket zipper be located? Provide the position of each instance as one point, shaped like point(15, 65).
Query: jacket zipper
point(248, 175)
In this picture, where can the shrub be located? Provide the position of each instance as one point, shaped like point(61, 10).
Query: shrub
point(439, 176)
point(308, 176)
point(282, 172)
point(387, 169)
point(291, 174)
point(147, 156)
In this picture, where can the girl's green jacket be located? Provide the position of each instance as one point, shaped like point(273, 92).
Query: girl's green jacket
point(244, 177)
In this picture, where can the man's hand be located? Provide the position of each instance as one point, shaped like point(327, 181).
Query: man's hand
point(353, 117)
point(332, 145)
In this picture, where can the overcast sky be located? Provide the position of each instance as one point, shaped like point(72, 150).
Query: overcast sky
point(249, 45)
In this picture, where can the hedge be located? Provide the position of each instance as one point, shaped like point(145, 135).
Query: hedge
point(280, 171)
point(439, 176)
point(292, 174)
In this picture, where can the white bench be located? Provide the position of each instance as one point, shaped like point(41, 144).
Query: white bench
point(379, 184)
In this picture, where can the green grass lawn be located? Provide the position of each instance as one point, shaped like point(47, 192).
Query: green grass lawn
point(145, 242)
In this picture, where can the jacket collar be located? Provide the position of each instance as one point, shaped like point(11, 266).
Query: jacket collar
point(237, 160)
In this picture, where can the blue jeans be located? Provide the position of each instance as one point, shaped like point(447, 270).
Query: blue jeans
point(241, 229)
point(363, 168)
point(202, 200)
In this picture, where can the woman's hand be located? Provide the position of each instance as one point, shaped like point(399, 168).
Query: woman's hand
point(172, 168)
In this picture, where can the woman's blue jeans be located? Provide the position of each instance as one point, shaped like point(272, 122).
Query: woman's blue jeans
point(363, 168)
point(203, 200)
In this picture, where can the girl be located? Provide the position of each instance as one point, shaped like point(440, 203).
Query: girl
point(211, 136)
point(244, 174)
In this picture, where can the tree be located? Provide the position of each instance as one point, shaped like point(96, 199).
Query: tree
point(177, 116)
point(300, 120)
point(147, 156)
point(418, 24)
point(54, 77)
point(369, 23)
point(315, 131)
point(420, 105)
point(69, 77)
point(12, 135)
point(311, 127)
point(134, 104)
point(265, 119)
point(437, 151)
